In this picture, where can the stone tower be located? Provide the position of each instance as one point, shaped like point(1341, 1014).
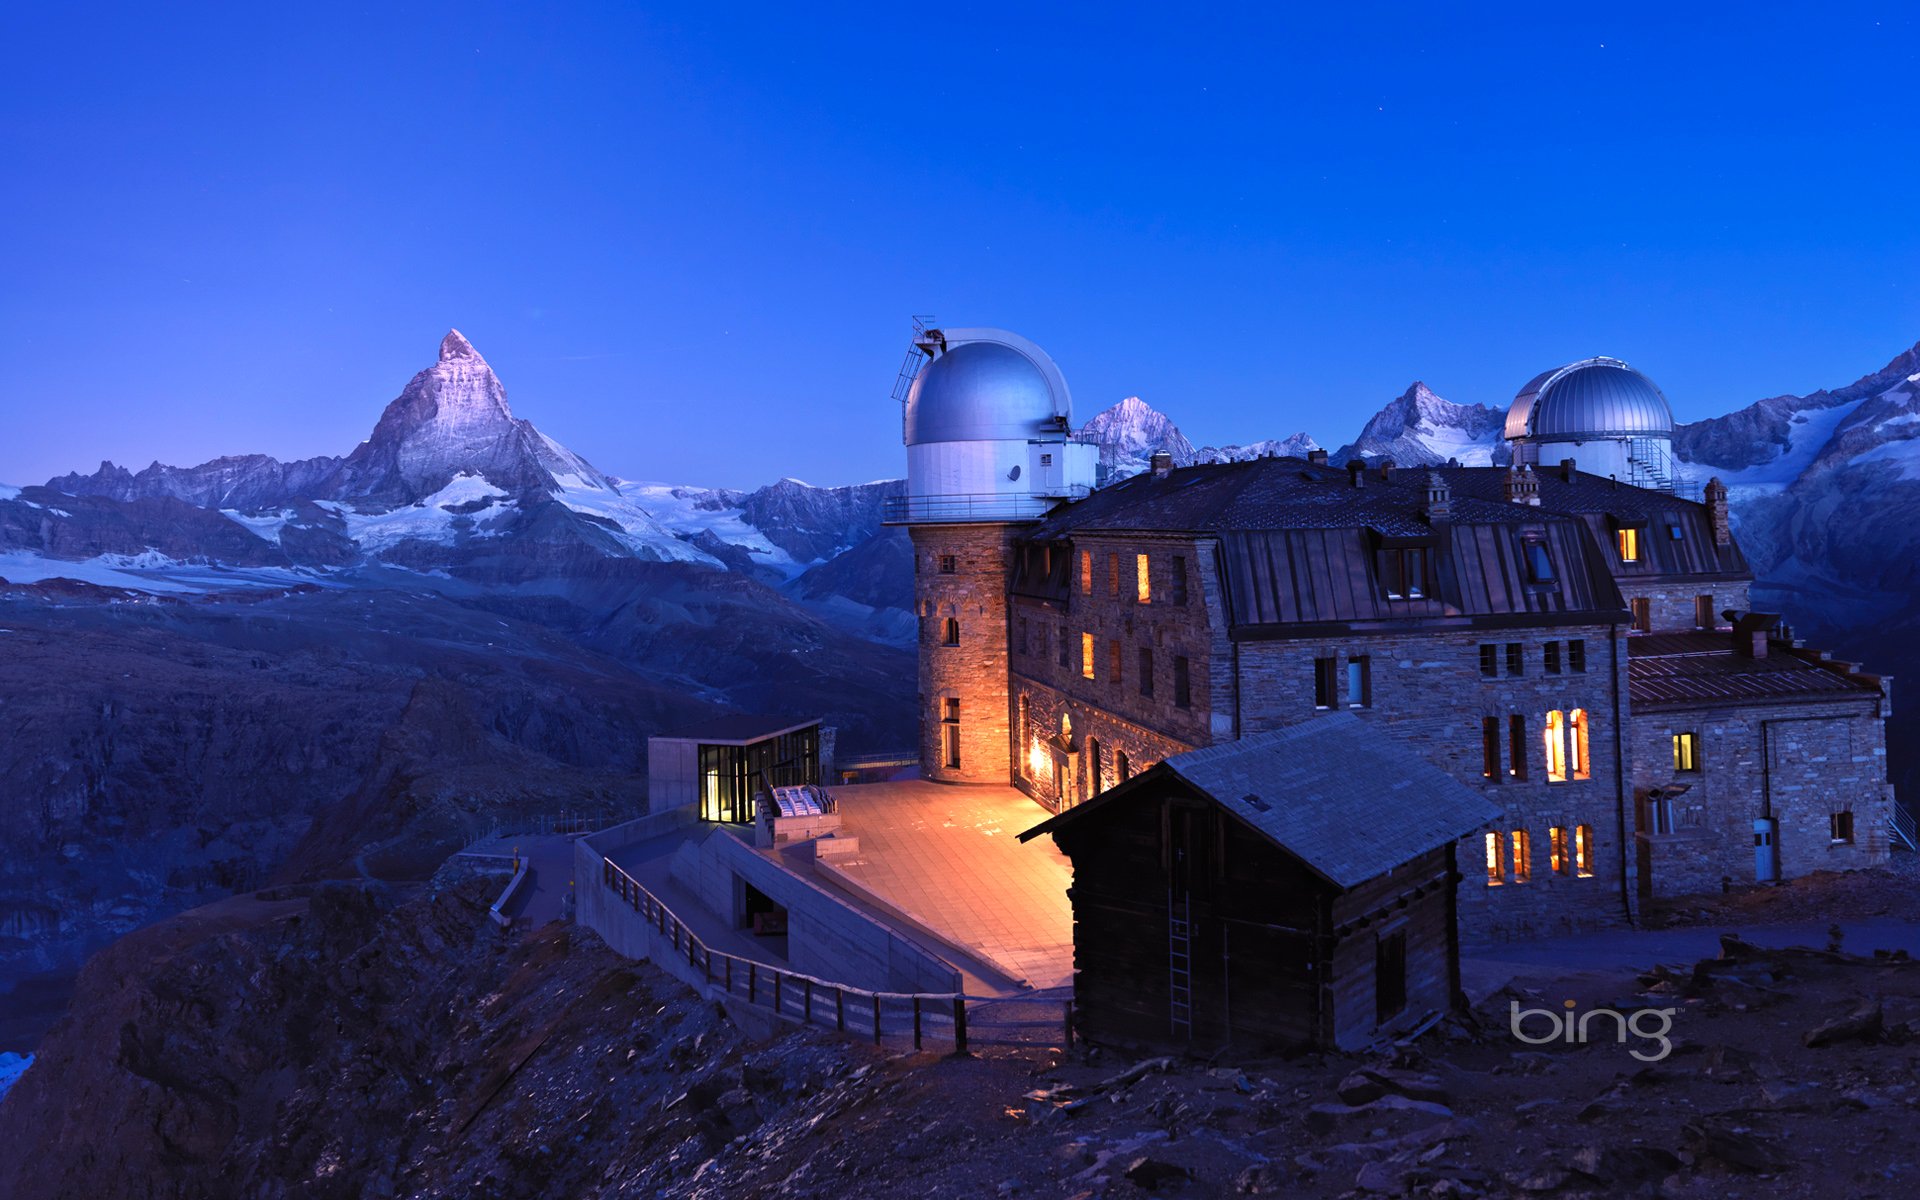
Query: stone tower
point(988, 425)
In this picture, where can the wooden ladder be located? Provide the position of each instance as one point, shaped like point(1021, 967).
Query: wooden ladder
point(1179, 964)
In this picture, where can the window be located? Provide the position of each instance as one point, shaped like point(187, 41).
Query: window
point(1686, 752)
point(1142, 580)
point(1095, 773)
point(1326, 681)
point(1113, 663)
point(1496, 862)
point(1146, 672)
point(1046, 460)
point(952, 632)
point(1404, 571)
point(1490, 748)
point(949, 564)
point(1063, 645)
point(1086, 656)
point(950, 730)
point(1703, 614)
point(1517, 746)
point(1675, 532)
point(1583, 851)
point(1490, 661)
point(1389, 976)
point(1554, 742)
point(1577, 743)
point(1182, 684)
point(1642, 609)
point(1113, 574)
point(1023, 721)
point(1550, 657)
point(1557, 860)
point(1522, 856)
point(1360, 681)
point(1179, 580)
point(1628, 541)
point(1086, 572)
point(1516, 658)
point(1577, 656)
point(1539, 563)
point(1840, 828)
point(1122, 769)
point(1022, 643)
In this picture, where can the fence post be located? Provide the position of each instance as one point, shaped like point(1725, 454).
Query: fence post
point(1066, 1007)
point(840, 1009)
point(916, 1020)
point(806, 1001)
point(729, 961)
point(776, 991)
point(876, 1018)
point(707, 960)
point(753, 983)
point(959, 1024)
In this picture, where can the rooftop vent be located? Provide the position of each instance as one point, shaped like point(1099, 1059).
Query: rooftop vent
point(1317, 457)
point(1161, 464)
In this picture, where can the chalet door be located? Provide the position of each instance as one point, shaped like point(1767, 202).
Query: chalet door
point(1766, 850)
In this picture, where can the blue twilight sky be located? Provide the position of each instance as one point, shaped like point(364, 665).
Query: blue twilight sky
point(690, 238)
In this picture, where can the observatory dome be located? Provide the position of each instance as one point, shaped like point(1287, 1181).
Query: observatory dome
point(983, 392)
point(1590, 399)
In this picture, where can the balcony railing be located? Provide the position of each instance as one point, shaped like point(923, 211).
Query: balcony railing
point(965, 509)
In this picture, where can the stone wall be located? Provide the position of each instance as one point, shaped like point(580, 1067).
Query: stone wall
point(1427, 693)
point(1671, 602)
point(1117, 741)
point(973, 593)
point(1809, 760)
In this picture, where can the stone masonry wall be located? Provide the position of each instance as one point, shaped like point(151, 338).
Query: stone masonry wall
point(1811, 760)
point(1427, 693)
point(1671, 607)
point(974, 593)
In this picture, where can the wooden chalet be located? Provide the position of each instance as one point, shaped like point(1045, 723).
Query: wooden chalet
point(1287, 890)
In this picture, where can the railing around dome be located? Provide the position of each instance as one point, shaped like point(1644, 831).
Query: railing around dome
point(964, 509)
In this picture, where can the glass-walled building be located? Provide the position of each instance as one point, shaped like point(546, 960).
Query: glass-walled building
point(723, 763)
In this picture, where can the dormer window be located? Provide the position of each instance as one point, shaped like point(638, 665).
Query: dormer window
point(1405, 572)
point(1539, 562)
point(1627, 541)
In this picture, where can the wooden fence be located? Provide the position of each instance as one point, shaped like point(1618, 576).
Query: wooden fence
point(951, 1017)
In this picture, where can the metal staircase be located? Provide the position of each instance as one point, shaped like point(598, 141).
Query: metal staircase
point(1902, 827)
point(1651, 464)
point(1179, 964)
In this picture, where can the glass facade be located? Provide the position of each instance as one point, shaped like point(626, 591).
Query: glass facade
point(731, 775)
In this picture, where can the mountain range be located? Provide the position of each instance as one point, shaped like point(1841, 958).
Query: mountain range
point(252, 670)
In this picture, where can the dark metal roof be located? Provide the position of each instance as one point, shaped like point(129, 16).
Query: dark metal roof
point(1683, 670)
point(1595, 397)
point(1349, 802)
point(738, 729)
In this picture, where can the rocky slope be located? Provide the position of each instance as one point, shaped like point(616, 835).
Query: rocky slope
point(1418, 428)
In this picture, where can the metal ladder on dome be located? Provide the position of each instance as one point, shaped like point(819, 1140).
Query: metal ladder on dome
point(926, 336)
point(1179, 964)
point(1652, 466)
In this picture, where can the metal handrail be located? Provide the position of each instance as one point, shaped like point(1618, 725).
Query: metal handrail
point(778, 985)
point(978, 506)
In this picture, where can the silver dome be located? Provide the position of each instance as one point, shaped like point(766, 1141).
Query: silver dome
point(1592, 398)
point(986, 391)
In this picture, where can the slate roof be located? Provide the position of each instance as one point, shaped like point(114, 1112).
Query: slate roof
point(1690, 670)
point(1346, 800)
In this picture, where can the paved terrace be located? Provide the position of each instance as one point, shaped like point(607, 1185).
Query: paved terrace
point(945, 857)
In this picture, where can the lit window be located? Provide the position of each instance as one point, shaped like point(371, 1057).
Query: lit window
point(1086, 655)
point(1554, 742)
point(1496, 861)
point(1629, 544)
point(1577, 743)
point(1557, 849)
point(1583, 851)
point(1142, 580)
point(1686, 752)
point(1086, 572)
point(1522, 856)
point(1840, 827)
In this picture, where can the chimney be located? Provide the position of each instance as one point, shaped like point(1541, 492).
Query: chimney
point(1439, 506)
point(1317, 457)
point(1751, 633)
point(1716, 496)
point(1162, 464)
point(1522, 485)
point(1386, 470)
point(1567, 469)
point(1357, 473)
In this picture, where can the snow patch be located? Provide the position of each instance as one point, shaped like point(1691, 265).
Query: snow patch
point(1808, 432)
point(8, 493)
point(689, 511)
point(265, 525)
point(1904, 454)
point(431, 520)
point(151, 572)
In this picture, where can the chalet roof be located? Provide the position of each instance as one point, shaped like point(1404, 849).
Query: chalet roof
point(1703, 669)
point(738, 729)
point(1346, 800)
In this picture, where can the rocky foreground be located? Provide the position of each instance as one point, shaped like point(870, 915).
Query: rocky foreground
point(349, 1040)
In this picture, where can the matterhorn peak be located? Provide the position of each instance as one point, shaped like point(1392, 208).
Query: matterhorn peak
point(455, 345)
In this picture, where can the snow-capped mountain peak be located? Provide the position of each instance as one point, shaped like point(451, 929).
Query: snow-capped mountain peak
point(1420, 428)
point(1131, 432)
